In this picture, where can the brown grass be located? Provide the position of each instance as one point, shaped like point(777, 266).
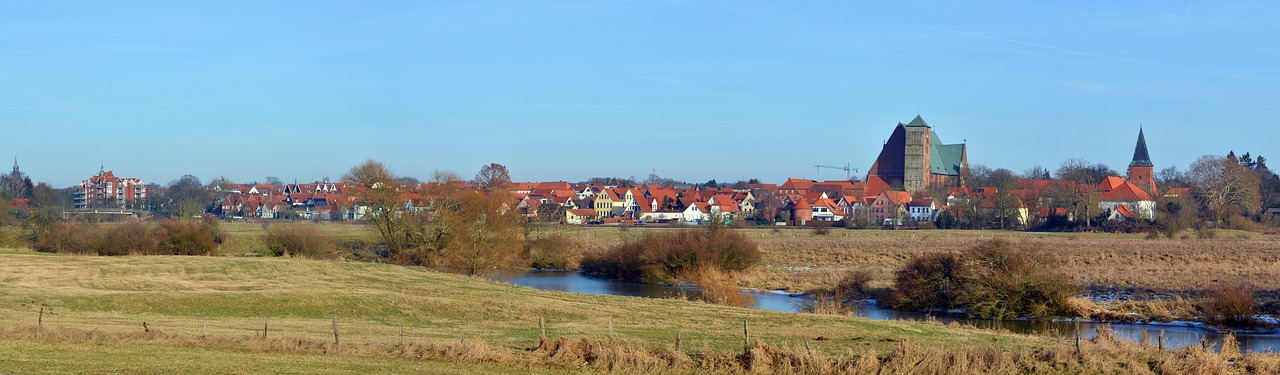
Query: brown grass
point(299, 241)
point(1104, 354)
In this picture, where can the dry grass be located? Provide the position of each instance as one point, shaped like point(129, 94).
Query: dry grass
point(100, 302)
point(1104, 354)
point(796, 260)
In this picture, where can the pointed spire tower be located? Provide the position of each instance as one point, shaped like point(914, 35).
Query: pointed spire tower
point(1141, 171)
point(15, 164)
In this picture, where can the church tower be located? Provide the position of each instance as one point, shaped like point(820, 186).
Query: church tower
point(1141, 172)
point(915, 166)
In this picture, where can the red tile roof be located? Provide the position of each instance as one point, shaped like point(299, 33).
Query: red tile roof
point(1126, 191)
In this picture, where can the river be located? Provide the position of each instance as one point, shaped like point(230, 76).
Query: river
point(1176, 335)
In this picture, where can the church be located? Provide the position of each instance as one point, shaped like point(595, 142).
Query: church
point(915, 159)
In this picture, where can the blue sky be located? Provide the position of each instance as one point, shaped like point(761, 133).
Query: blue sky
point(568, 90)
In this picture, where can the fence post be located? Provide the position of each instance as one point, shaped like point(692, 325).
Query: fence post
point(206, 328)
point(746, 342)
point(144, 327)
point(40, 320)
point(806, 345)
point(542, 331)
point(264, 329)
point(1077, 323)
point(335, 330)
point(1160, 340)
point(462, 337)
point(611, 330)
point(678, 340)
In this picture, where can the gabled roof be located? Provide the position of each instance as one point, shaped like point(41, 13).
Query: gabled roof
point(1111, 183)
point(897, 197)
point(796, 184)
point(1124, 210)
point(1177, 192)
point(1126, 192)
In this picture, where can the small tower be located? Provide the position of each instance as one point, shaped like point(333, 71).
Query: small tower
point(1141, 172)
point(15, 164)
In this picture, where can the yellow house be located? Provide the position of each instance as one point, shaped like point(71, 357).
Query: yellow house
point(604, 204)
point(579, 216)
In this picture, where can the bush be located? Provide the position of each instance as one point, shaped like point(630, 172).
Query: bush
point(185, 238)
point(133, 237)
point(555, 252)
point(299, 241)
point(716, 286)
point(660, 258)
point(821, 231)
point(931, 280)
point(994, 279)
point(854, 285)
point(67, 238)
point(1207, 233)
point(1231, 306)
point(1006, 280)
point(171, 237)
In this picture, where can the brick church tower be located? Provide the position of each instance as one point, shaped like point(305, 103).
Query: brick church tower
point(1141, 172)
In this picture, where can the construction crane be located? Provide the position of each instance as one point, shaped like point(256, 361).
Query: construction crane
point(848, 172)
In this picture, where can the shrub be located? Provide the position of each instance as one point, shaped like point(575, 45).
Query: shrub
point(854, 285)
point(1207, 233)
point(1231, 306)
point(185, 238)
point(131, 237)
point(994, 279)
point(67, 238)
point(1007, 280)
point(660, 258)
point(716, 286)
point(299, 241)
point(821, 231)
point(930, 280)
point(555, 252)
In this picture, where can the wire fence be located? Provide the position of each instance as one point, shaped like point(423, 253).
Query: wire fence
point(525, 333)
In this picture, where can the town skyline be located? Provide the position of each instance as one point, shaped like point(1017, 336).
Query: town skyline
point(693, 90)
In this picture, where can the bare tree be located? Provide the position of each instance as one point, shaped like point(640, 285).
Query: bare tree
point(493, 177)
point(1078, 190)
point(1225, 186)
point(377, 197)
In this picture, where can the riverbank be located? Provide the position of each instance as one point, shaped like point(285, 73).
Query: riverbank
point(1171, 334)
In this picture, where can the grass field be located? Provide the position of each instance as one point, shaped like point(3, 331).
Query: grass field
point(799, 260)
point(235, 297)
point(228, 314)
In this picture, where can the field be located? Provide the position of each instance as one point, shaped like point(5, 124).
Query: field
point(799, 260)
point(238, 314)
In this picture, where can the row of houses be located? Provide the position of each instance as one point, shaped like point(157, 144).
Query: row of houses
point(794, 202)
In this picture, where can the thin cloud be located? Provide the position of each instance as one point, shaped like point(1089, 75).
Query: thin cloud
point(1246, 77)
point(666, 80)
point(1085, 86)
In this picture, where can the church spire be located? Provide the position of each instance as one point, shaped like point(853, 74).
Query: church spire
point(15, 163)
point(1140, 157)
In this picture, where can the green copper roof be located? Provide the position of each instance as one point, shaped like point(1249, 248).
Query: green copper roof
point(944, 159)
point(1140, 157)
point(918, 122)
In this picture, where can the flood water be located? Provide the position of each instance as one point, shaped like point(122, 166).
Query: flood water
point(1175, 335)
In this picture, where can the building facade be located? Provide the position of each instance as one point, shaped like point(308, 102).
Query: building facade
point(108, 191)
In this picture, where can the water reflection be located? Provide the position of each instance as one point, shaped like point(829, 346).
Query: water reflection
point(1175, 336)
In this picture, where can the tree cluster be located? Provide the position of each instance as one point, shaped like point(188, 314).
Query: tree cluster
point(469, 231)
